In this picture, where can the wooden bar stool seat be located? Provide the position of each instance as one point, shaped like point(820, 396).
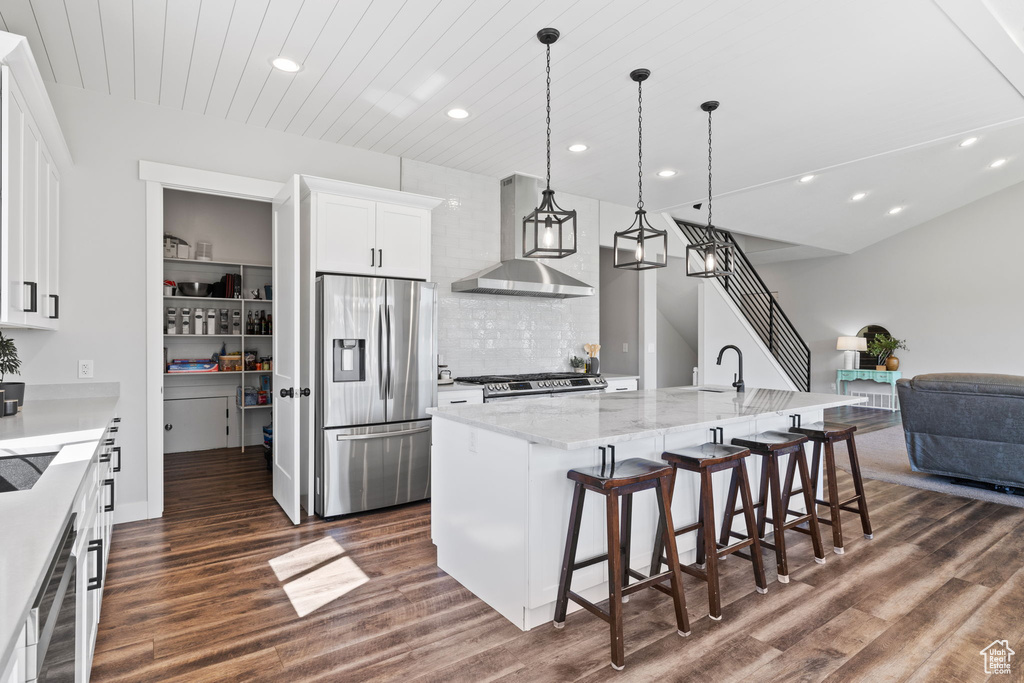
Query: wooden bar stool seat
point(705, 460)
point(617, 481)
point(771, 445)
point(825, 435)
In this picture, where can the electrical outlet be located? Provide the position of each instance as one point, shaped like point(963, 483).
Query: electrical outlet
point(85, 369)
point(625, 347)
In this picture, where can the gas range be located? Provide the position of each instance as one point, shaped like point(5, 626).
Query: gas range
point(498, 387)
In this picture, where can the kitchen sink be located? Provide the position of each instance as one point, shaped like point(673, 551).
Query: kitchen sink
point(21, 472)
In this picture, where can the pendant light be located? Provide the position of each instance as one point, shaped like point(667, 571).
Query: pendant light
point(713, 256)
point(549, 231)
point(641, 245)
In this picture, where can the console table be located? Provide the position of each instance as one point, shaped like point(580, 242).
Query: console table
point(844, 377)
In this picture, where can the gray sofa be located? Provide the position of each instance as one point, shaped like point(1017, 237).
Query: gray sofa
point(968, 426)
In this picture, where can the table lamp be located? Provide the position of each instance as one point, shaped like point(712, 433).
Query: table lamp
point(851, 345)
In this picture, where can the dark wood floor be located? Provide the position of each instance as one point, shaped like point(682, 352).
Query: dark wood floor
point(196, 596)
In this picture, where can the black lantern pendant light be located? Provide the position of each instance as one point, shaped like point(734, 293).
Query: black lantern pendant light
point(713, 256)
point(641, 245)
point(549, 231)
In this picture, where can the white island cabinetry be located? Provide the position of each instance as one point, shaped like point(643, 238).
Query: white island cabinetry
point(501, 499)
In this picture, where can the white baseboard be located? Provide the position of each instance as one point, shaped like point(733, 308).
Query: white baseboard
point(131, 512)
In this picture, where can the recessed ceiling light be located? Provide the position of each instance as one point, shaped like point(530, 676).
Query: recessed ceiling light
point(458, 113)
point(895, 210)
point(859, 196)
point(578, 147)
point(286, 65)
point(968, 142)
point(997, 163)
point(667, 173)
point(807, 178)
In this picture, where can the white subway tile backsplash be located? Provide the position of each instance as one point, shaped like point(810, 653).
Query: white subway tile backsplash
point(480, 333)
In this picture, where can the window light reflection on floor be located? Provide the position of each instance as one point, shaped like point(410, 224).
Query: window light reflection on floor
point(317, 574)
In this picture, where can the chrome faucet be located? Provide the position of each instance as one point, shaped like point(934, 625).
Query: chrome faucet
point(738, 384)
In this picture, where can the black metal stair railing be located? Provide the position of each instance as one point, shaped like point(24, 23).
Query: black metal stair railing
point(752, 296)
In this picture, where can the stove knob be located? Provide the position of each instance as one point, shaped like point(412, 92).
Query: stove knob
point(504, 386)
point(565, 382)
point(490, 387)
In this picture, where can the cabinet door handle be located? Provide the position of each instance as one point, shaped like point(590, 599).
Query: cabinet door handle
point(454, 402)
point(105, 457)
point(372, 264)
point(96, 581)
point(109, 442)
point(56, 306)
point(116, 419)
point(380, 258)
point(112, 430)
point(34, 290)
point(110, 506)
point(117, 463)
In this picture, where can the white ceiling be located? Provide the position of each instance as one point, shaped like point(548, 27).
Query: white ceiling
point(871, 95)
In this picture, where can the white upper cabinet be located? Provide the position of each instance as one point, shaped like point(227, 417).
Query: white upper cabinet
point(347, 234)
point(30, 142)
point(362, 230)
point(403, 242)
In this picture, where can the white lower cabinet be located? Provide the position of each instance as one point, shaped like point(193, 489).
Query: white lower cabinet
point(451, 397)
point(621, 385)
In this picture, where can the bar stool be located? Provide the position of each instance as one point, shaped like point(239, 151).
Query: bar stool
point(771, 445)
point(621, 480)
point(827, 434)
point(705, 460)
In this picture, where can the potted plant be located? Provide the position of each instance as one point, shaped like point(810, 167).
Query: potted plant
point(882, 347)
point(10, 364)
point(578, 364)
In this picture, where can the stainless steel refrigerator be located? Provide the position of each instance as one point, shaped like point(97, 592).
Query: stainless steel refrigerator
point(376, 364)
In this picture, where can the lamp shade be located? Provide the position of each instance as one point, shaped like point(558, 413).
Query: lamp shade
point(852, 344)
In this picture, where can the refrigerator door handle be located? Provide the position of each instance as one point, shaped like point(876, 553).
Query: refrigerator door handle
point(381, 435)
point(380, 353)
point(391, 353)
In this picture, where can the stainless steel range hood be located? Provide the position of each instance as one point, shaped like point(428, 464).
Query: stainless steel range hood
point(516, 276)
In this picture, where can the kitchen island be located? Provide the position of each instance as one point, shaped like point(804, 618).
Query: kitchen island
point(501, 499)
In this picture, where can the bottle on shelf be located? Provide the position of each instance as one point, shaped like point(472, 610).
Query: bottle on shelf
point(270, 324)
point(250, 325)
point(263, 322)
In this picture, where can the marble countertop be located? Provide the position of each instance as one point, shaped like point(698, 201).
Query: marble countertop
point(31, 521)
point(602, 418)
point(459, 386)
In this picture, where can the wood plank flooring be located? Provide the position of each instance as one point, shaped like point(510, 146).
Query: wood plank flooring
point(211, 591)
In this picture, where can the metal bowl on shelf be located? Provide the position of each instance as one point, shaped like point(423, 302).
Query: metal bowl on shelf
point(193, 289)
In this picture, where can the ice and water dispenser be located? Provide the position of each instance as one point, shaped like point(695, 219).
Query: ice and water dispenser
point(349, 360)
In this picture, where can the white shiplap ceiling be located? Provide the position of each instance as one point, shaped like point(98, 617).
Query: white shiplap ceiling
point(870, 95)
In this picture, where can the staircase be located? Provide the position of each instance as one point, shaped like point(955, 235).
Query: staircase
point(753, 298)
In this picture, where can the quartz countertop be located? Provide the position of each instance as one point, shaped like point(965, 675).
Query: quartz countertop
point(31, 521)
point(603, 418)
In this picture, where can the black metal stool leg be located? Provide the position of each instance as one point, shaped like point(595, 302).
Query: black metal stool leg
point(571, 542)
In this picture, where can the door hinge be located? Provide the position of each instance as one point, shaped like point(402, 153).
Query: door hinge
point(227, 430)
point(226, 413)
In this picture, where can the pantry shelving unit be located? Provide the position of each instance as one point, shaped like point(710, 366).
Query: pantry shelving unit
point(254, 276)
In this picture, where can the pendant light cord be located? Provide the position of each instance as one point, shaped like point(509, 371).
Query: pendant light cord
point(709, 171)
point(640, 143)
point(549, 114)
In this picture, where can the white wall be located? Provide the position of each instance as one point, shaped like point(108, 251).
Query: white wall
point(720, 324)
point(676, 358)
point(620, 296)
point(951, 287)
point(103, 221)
point(484, 333)
point(238, 229)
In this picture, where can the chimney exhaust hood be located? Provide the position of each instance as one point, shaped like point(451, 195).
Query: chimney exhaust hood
point(516, 276)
